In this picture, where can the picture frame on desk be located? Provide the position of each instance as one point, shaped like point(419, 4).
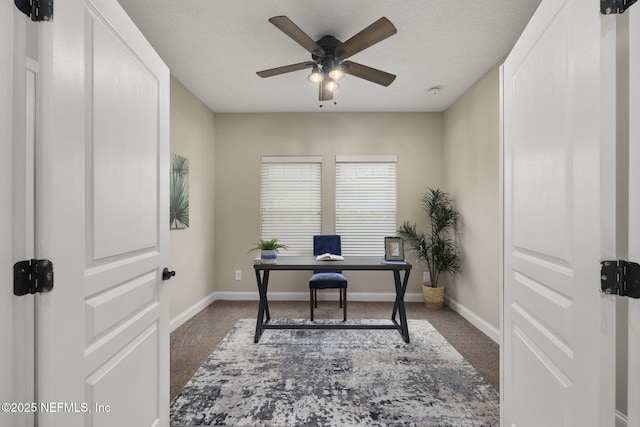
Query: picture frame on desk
point(394, 249)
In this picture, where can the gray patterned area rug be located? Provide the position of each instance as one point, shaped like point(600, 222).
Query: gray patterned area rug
point(336, 378)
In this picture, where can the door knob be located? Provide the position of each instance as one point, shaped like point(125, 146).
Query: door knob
point(166, 274)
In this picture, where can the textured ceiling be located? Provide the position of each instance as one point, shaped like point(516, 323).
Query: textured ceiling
point(215, 47)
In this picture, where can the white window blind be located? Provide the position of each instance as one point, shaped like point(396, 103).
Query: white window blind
point(290, 202)
point(365, 203)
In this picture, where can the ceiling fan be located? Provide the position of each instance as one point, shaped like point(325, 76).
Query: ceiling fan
point(328, 55)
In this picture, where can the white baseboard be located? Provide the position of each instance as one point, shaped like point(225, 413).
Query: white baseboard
point(196, 308)
point(475, 320)
point(486, 328)
point(181, 318)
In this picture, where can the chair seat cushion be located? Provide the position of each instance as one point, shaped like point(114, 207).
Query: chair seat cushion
point(327, 280)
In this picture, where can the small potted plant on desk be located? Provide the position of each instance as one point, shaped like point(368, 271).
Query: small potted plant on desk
point(268, 250)
point(437, 247)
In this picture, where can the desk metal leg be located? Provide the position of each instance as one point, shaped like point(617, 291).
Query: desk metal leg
point(264, 317)
point(398, 307)
point(395, 303)
point(396, 278)
point(263, 306)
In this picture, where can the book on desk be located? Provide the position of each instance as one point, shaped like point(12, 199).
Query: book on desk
point(329, 257)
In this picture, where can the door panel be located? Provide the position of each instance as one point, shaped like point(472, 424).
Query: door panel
point(633, 396)
point(541, 154)
point(528, 401)
point(105, 384)
point(124, 164)
point(16, 210)
point(552, 332)
point(104, 220)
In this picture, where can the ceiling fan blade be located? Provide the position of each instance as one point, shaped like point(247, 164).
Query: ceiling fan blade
point(374, 33)
point(325, 95)
point(285, 69)
point(287, 26)
point(368, 73)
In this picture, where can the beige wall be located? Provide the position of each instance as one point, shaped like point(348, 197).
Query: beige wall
point(241, 140)
point(471, 175)
point(192, 249)
point(457, 150)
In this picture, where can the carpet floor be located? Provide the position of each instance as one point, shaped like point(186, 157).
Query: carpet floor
point(336, 378)
point(193, 342)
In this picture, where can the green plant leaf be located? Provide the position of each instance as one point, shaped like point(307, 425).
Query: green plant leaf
point(179, 192)
point(436, 248)
point(268, 244)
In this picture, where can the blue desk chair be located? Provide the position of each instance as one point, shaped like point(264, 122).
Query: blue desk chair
point(327, 279)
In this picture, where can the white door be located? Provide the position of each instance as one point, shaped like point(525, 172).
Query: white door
point(16, 230)
point(633, 396)
point(557, 135)
point(102, 218)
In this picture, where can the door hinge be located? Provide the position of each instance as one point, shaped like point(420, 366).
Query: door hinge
point(620, 278)
point(608, 7)
point(37, 10)
point(31, 276)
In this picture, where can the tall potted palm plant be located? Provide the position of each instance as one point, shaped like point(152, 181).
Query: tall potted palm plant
point(436, 247)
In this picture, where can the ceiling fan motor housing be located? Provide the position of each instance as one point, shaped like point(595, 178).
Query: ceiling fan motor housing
point(329, 44)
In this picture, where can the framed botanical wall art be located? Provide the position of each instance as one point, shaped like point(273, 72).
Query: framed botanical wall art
point(179, 192)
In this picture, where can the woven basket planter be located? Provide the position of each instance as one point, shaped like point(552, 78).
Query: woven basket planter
point(433, 297)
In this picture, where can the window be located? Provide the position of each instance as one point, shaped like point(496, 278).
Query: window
point(365, 203)
point(290, 201)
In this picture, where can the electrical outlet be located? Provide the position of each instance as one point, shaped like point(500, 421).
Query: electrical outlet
point(238, 274)
point(426, 277)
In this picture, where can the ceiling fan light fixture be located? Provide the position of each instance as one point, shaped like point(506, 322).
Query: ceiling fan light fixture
point(316, 76)
point(336, 72)
point(331, 85)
